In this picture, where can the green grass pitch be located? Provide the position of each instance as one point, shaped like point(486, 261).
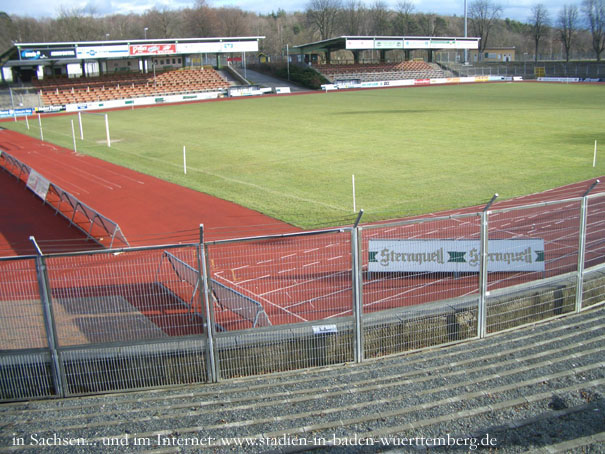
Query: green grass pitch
point(412, 150)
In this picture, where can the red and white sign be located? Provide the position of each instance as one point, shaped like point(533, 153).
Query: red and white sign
point(152, 49)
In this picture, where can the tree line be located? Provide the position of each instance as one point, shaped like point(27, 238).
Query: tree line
point(578, 31)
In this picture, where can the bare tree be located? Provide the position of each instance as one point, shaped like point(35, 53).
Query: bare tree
point(353, 18)
point(162, 23)
point(404, 22)
point(539, 21)
point(379, 16)
point(6, 31)
point(78, 25)
point(431, 24)
point(568, 20)
point(595, 13)
point(199, 21)
point(322, 15)
point(233, 22)
point(483, 15)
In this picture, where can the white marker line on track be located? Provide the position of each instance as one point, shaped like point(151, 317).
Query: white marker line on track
point(254, 279)
point(311, 264)
point(265, 300)
point(286, 256)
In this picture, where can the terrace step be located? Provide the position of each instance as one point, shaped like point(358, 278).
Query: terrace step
point(549, 375)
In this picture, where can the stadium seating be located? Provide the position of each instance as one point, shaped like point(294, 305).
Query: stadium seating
point(385, 71)
point(57, 91)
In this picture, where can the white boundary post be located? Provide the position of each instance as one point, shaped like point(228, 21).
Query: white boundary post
point(40, 123)
point(354, 203)
point(107, 131)
point(81, 129)
point(184, 160)
point(594, 159)
point(27, 122)
point(73, 135)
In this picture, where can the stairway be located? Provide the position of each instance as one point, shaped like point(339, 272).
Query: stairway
point(536, 389)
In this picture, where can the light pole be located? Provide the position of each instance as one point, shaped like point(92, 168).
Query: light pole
point(145, 30)
point(465, 33)
point(288, 59)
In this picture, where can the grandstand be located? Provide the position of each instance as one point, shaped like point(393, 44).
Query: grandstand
point(56, 75)
point(383, 71)
point(57, 91)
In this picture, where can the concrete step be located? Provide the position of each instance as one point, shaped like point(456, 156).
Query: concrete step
point(463, 390)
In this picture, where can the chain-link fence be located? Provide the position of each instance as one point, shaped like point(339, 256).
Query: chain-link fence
point(111, 320)
point(529, 69)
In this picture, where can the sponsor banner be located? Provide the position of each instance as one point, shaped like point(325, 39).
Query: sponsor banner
point(44, 54)
point(454, 256)
point(152, 49)
point(143, 101)
point(421, 43)
point(422, 82)
point(103, 51)
point(440, 44)
point(38, 184)
point(559, 79)
point(9, 113)
point(374, 44)
point(217, 47)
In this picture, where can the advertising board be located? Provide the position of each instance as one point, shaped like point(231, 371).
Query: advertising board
point(454, 256)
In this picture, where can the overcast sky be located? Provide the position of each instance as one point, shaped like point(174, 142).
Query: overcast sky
point(514, 9)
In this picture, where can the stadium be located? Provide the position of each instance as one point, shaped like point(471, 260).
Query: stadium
point(174, 222)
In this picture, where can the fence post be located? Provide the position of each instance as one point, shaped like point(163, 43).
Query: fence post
point(482, 312)
point(582, 247)
point(357, 293)
point(211, 366)
point(49, 322)
point(482, 315)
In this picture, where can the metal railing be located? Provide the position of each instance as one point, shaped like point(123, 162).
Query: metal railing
point(118, 319)
point(93, 224)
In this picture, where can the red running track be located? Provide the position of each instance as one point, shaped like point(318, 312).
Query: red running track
point(294, 280)
point(148, 210)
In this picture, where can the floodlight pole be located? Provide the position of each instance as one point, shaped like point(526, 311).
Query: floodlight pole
point(288, 59)
point(465, 31)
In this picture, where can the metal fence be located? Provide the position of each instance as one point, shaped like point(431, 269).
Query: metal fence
point(111, 320)
point(530, 69)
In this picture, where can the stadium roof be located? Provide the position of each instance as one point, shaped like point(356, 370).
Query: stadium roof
point(389, 43)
